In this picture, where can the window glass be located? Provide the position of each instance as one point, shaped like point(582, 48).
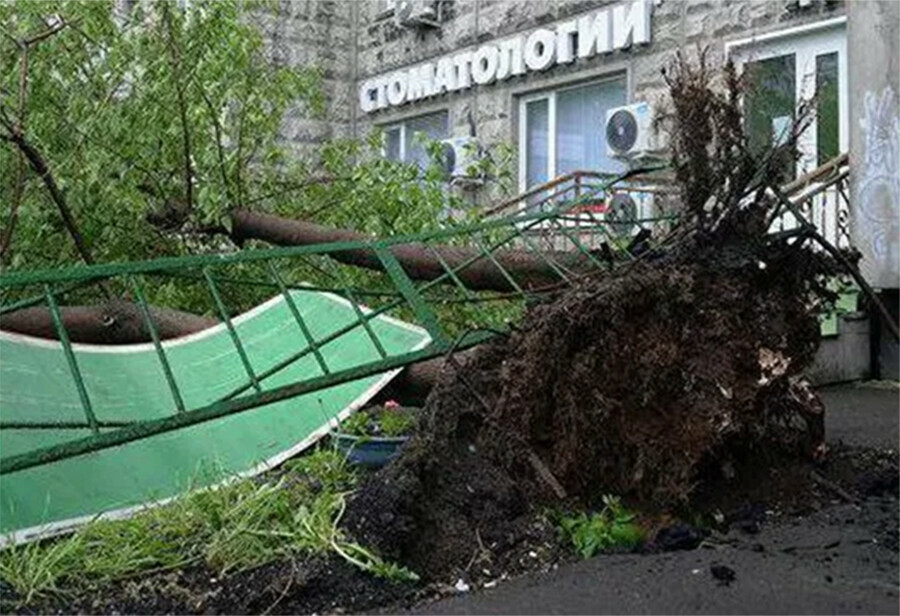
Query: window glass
point(580, 120)
point(536, 142)
point(827, 113)
point(403, 141)
point(565, 131)
point(432, 126)
point(770, 101)
point(392, 144)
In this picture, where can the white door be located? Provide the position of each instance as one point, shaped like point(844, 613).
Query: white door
point(789, 67)
point(807, 64)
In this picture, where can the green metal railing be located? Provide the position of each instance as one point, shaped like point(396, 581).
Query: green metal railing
point(549, 220)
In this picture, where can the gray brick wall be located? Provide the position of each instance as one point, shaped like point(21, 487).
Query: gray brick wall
point(351, 43)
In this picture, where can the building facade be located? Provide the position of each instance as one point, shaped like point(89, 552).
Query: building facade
point(541, 75)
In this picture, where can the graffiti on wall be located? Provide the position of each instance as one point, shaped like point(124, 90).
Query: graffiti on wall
point(878, 205)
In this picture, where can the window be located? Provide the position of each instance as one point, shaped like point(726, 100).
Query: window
point(403, 144)
point(564, 130)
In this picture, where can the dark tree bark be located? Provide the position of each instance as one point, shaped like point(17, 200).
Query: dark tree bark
point(113, 323)
point(528, 269)
point(412, 386)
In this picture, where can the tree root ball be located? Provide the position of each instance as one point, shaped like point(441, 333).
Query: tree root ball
point(629, 384)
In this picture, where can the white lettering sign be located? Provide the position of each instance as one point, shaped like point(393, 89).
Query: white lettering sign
point(600, 32)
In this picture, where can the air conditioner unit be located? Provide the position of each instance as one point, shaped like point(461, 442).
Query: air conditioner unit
point(626, 212)
point(416, 13)
point(460, 158)
point(630, 134)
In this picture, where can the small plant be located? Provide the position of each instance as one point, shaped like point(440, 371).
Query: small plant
point(390, 420)
point(327, 466)
point(357, 424)
point(612, 527)
point(35, 569)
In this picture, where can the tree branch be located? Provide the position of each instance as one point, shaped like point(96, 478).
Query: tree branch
point(175, 60)
point(420, 262)
point(19, 186)
point(39, 165)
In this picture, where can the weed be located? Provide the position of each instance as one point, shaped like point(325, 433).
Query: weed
point(237, 526)
point(396, 422)
point(389, 421)
point(612, 527)
point(328, 466)
point(34, 569)
point(357, 424)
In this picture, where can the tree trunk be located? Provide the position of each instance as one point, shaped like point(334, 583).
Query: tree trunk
point(113, 323)
point(412, 386)
point(528, 269)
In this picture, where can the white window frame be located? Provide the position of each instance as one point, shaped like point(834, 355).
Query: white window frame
point(401, 126)
point(550, 95)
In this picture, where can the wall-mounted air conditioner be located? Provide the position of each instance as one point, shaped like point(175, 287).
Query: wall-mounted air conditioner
point(460, 158)
point(630, 133)
point(627, 212)
point(417, 13)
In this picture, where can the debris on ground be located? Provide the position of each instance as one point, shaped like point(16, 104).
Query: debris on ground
point(723, 573)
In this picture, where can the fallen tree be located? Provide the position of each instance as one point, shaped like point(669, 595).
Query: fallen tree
point(115, 322)
point(420, 262)
point(641, 382)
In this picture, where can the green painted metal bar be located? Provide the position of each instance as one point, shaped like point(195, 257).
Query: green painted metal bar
point(268, 284)
point(304, 352)
point(154, 335)
point(449, 270)
point(223, 314)
point(41, 298)
point(60, 425)
point(216, 410)
point(490, 255)
point(584, 251)
point(557, 269)
point(301, 322)
point(70, 359)
point(406, 287)
point(359, 313)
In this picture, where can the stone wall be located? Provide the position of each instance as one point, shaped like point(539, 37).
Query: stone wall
point(319, 33)
point(384, 46)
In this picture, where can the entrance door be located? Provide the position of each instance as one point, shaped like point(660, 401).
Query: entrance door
point(787, 68)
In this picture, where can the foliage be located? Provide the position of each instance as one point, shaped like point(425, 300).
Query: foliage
point(241, 525)
point(156, 123)
point(328, 466)
point(112, 101)
point(391, 421)
point(396, 422)
point(356, 424)
point(613, 526)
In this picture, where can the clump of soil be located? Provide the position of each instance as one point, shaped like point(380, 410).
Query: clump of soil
point(631, 382)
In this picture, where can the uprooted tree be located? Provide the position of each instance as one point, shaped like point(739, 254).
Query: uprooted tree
point(633, 382)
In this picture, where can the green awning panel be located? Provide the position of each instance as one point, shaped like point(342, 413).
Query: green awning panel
point(127, 383)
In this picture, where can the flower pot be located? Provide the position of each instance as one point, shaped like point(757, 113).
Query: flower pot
point(371, 451)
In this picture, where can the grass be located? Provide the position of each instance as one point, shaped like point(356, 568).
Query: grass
point(244, 524)
point(385, 421)
point(611, 527)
